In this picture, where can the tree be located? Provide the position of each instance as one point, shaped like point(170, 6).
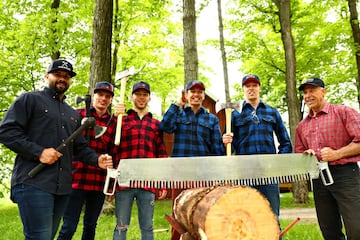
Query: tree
point(223, 52)
point(100, 56)
point(189, 41)
point(354, 22)
point(299, 189)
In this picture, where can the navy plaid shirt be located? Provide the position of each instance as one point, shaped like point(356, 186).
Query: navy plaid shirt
point(254, 130)
point(194, 134)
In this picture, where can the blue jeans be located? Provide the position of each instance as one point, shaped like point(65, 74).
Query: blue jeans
point(272, 194)
point(40, 211)
point(94, 201)
point(339, 203)
point(123, 204)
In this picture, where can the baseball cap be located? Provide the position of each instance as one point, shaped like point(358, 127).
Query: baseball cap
point(105, 86)
point(312, 81)
point(61, 64)
point(141, 85)
point(195, 83)
point(250, 78)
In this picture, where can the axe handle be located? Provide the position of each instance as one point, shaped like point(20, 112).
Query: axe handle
point(228, 112)
point(88, 123)
point(119, 117)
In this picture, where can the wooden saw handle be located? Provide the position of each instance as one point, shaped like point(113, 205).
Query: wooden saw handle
point(228, 112)
point(119, 117)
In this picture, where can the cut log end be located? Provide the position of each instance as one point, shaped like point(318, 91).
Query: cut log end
point(228, 212)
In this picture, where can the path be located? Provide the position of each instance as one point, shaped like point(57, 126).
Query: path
point(305, 214)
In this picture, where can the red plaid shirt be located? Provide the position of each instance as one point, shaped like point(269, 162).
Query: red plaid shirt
point(140, 138)
point(88, 177)
point(335, 126)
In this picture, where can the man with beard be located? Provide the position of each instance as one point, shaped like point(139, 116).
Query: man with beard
point(253, 131)
point(140, 138)
point(35, 124)
point(196, 131)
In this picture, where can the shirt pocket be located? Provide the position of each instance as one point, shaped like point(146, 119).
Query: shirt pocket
point(204, 130)
point(269, 123)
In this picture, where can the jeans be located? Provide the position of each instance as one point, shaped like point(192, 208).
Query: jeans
point(272, 194)
point(339, 203)
point(40, 211)
point(123, 204)
point(94, 201)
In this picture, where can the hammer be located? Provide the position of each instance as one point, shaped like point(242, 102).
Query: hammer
point(228, 107)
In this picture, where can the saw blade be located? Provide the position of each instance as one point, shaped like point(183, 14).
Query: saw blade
point(191, 172)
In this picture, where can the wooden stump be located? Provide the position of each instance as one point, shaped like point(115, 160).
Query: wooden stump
point(226, 213)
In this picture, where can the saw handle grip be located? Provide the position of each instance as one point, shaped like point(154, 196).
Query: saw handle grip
point(325, 173)
point(111, 174)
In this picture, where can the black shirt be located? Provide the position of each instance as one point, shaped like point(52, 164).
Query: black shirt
point(38, 120)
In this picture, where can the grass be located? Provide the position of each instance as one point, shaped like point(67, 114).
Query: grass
point(11, 227)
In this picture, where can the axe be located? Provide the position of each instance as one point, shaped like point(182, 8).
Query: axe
point(88, 123)
point(99, 130)
point(229, 107)
point(123, 76)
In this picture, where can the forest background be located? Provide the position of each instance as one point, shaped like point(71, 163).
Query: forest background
point(282, 41)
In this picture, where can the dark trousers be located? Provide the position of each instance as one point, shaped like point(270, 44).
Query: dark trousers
point(339, 202)
point(40, 211)
point(94, 201)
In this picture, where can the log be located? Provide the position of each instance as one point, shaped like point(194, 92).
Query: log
point(226, 212)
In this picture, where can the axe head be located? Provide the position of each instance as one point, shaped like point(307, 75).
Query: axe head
point(99, 131)
point(79, 99)
point(234, 105)
point(125, 73)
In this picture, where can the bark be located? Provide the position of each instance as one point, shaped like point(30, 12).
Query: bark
point(354, 22)
point(223, 53)
point(300, 193)
point(100, 69)
point(189, 40)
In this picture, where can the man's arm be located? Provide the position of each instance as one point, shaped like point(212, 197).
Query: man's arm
point(329, 154)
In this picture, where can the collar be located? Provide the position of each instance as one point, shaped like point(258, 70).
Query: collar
point(133, 112)
point(325, 110)
point(53, 94)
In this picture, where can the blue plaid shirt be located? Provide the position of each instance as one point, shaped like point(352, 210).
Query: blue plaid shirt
point(194, 134)
point(254, 130)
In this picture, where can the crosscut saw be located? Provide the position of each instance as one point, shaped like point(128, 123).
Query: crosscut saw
point(194, 172)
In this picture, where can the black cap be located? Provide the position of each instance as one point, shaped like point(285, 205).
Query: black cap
point(61, 64)
point(141, 85)
point(250, 78)
point(105, 86)
point(312, 81)
point(195, 83)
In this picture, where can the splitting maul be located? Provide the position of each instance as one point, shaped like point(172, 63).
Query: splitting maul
point(195, 172)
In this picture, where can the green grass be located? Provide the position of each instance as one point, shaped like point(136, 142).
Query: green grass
point(286, 201)
point(11, 227)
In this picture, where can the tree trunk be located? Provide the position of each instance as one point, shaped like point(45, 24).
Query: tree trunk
point(354, 22)
point(226, 212)
point(100, 69)
point(223, 53)
point(189, 40)
point(300, 193)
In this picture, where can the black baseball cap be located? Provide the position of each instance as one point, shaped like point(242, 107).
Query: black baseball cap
point(312, 81)
point(195, 83)
point(250, 78)
point(141, 85)
point(61, 64)
point(104, 86)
